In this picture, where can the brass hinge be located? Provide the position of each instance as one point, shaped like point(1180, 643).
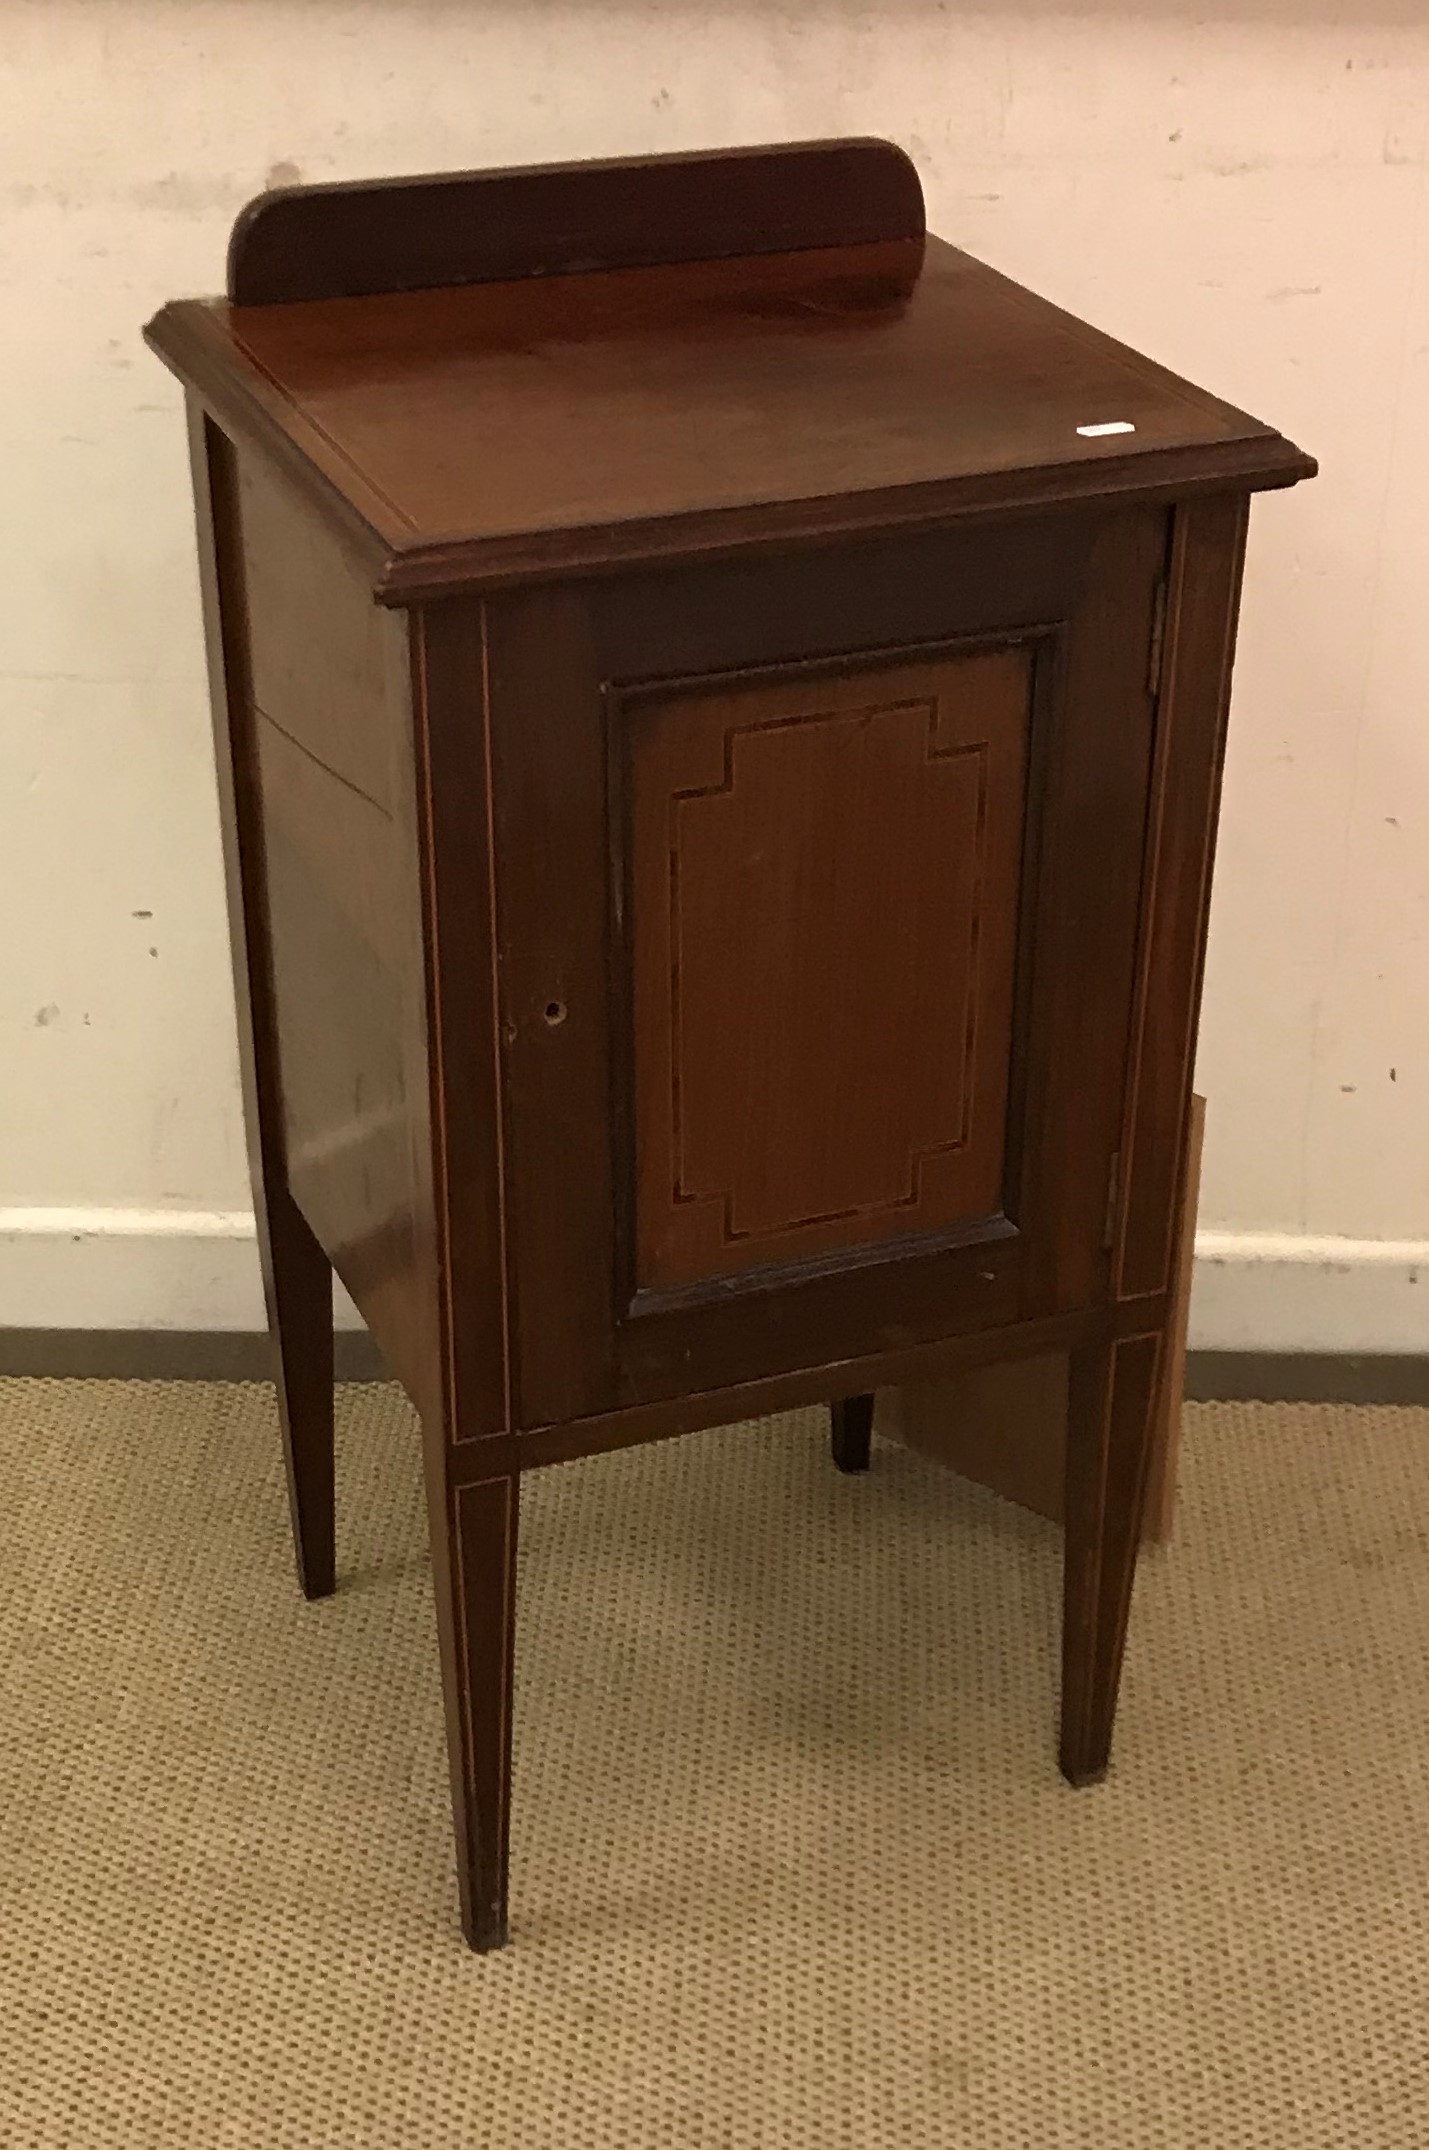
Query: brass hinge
point(1113, 1196)
point(1158, 641)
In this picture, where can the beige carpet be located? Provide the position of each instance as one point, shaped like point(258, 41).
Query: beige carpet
point(793, 1864)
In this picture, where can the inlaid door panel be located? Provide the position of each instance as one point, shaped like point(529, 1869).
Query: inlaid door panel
point(823, 897)
point(817, 885)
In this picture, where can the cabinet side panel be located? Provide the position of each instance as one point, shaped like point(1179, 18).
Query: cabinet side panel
point(330, 724)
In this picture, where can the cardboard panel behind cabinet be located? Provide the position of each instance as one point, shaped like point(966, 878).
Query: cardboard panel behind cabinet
point(1005, 1426)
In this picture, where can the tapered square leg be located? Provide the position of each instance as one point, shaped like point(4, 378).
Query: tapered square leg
point(297, 1284)
point(1110, 1430)
point(851, 1432)
point(473, 1528)
point(297, 1277)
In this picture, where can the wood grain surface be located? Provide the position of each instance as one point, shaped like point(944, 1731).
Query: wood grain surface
point(493, 432)
point(824, 893)
point(359, 237)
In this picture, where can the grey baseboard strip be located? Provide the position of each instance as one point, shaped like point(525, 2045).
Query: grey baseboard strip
point(222, 1355)
point(1307, 1377)
point(168, 1355)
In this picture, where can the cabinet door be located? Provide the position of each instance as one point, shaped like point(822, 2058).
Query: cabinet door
point(817, 885)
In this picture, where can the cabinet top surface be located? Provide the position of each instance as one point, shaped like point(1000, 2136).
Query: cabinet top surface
point(566, 422)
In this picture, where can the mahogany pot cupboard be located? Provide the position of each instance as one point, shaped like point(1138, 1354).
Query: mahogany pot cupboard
point(719, 701)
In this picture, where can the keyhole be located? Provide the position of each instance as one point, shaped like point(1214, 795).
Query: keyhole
point(555, 1013)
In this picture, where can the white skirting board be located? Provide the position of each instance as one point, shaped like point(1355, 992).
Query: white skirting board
point(1280, 1291)
point(198, 1270)
point(184, 1269)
